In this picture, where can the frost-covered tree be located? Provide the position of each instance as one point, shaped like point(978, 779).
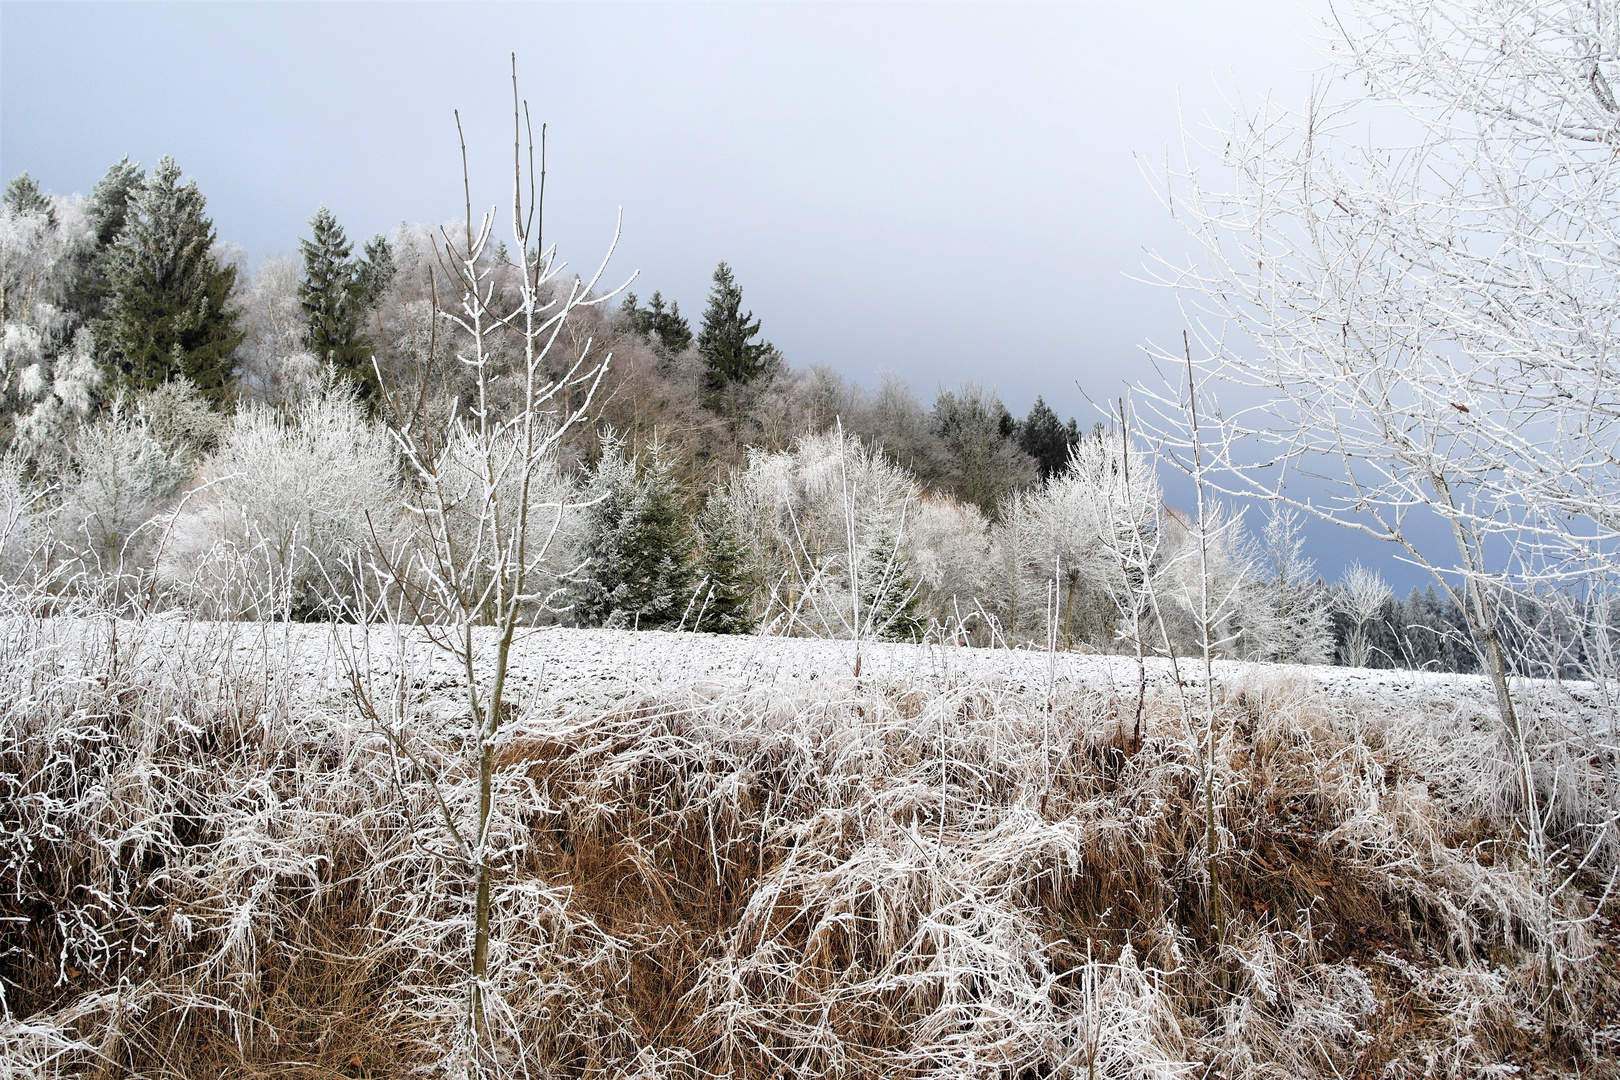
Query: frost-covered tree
point(286, 508)
point(636, 552)
point(1363, 599)
point(983, 459)
point(48, 376)
point(273, 365)
point(120, 474)
point(726, 342)
point(889, 609)
point(1084, 536)
point(815, 516)
point(1286, 613)
point(724, 590)
point(333, 296)
point(169, 310)
point(107, 210)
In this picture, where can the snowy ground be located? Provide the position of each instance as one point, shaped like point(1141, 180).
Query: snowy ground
point(565, 667)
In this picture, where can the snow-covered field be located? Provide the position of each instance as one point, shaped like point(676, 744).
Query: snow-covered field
point(569, 666)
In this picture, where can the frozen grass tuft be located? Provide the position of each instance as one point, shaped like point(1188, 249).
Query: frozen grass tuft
point(213, 864)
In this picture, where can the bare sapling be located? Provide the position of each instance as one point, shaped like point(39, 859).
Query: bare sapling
point(482, 502)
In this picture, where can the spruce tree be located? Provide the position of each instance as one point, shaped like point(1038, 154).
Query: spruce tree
point(168, 310)
point(332, 295)
point(730, 355)
point(23, 196)
point(665, 328)
point(1045, 438)
point(725, 589)
point(376, 271)
point(888, 589)
point(108, 209)
point(637, 566)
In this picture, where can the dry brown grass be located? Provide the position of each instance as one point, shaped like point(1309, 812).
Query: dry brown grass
point(211, 874)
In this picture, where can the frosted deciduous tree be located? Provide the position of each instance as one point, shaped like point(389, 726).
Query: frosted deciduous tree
point(816, 518)
point(274, 365)
point(478, 475)
point(290, 504)
point(48, 377)
point(1425, 324)
point(1363, 598)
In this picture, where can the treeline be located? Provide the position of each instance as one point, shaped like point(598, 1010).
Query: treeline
point(181, 432)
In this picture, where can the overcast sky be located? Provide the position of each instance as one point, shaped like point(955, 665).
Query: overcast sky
point(948, 192)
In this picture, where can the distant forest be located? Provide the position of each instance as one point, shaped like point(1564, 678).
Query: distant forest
point(182, 429)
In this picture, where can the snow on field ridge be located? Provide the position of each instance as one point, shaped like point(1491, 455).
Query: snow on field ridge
point(566, 665)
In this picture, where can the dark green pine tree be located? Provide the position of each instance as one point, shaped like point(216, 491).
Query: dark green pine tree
point(726, 341)
point(168, 310)
point(663, 326)
point(1045, 438)
point(637, 566)
point(332, 295)
point(108, 209)
point(725, 592)
point(888, 590)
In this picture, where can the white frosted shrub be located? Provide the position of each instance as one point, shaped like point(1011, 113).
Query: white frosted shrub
point(1064, 548)
point(812, 514)
point(118, 480)
point(951, 542)
point(286, 511)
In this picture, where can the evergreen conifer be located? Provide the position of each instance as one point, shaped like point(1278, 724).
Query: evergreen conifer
point(376, 271)
point(1045, 438)
point(168, 310)
point(637, 566)
point(888, 589)
point(23, 196)
point(108, 209)
point(664, 326)
point(332, 295)
point(725, 591)
point(730, 355)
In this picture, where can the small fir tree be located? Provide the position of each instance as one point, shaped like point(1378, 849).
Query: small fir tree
point(637, 566)
point(725, 588)
point(332, 296)
point(23, 196)
point(376, 271)
point(888, 589)
point(168, 310)
point(726, 341)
